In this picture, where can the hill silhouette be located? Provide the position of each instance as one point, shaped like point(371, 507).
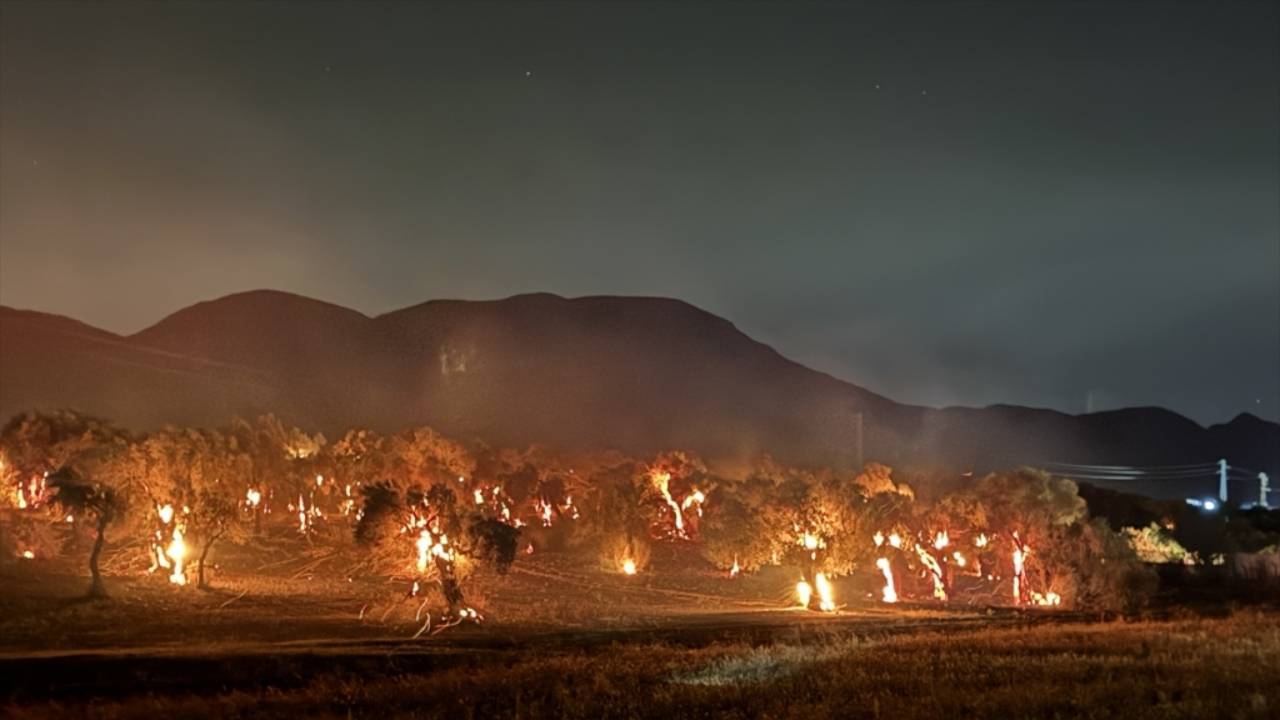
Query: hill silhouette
point(631, 373)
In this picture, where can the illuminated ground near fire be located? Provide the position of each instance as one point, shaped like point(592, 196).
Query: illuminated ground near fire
point(299, 638)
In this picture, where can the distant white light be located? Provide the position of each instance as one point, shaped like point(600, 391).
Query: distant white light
point(1210, 504)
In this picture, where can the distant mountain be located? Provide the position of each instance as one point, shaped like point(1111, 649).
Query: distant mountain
point(636, 374)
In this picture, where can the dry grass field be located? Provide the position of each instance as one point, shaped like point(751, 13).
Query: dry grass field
point(303, 640)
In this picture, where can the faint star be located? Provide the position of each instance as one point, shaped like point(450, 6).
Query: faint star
point(528, 73)
point(877, 86)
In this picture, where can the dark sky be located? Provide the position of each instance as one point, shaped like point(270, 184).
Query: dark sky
point(1072, 206)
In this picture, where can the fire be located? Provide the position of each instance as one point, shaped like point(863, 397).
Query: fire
point(889, 594)
point(935, 572)
point(166, 514)
point(662, 482)
point(980, 541)
point(628, 567)
point(252, 497)
point(695, 501)
point(804, 593)
point(895, 540)
point(878, 538)
point(1019, 574)
point(735, 570)
point(423, 544)
point(1048, 599)
point(941, 540)
point(826, 596)
point(177, 552)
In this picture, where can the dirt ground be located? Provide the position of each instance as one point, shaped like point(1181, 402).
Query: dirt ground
point(296, 630)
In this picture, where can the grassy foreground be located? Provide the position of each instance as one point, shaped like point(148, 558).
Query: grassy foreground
point(1191, 668)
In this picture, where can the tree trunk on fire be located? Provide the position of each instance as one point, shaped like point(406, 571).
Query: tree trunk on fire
point(97, 589)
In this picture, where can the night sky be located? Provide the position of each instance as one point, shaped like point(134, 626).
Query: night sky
point(1075, 207)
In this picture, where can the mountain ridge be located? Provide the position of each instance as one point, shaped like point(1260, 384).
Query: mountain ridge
point(632, 373)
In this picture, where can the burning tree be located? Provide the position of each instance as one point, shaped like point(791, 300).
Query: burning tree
point(1026, 535)
point(616, 517)
point(424, 517)
point(817, 522)
point(94, 499)
point(214, 510)
point(430, 531)
point(33, 445)
point(675, 486)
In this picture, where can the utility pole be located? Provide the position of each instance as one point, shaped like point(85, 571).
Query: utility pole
point(1222, 481)
point(1264, 487)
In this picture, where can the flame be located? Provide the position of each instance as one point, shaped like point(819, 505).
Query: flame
point(889, 594)
point(804, 593)
point(166, 513)
point(959, 558)
point(253, 497)
point(941, 540)
point(895, 540)
point(695, 501)
point(662, 481)
point(735, 570)
point(176, 552)
point(935, 572)
point(628, 567)
point(479, 496)
point(980, 541)
point(423, 544)
point(1019, 560)
point(826, 596)
point(28, 555)
point(878, 538)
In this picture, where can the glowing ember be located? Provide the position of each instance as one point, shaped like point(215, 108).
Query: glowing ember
point(879, 538)
point(166, 514)
point(1048, 599)
point(958, 558)
point(895, 540)
point(253, 497)
point(980, 541)
point(27, 554)
point(628, 567)
point(888, 594)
